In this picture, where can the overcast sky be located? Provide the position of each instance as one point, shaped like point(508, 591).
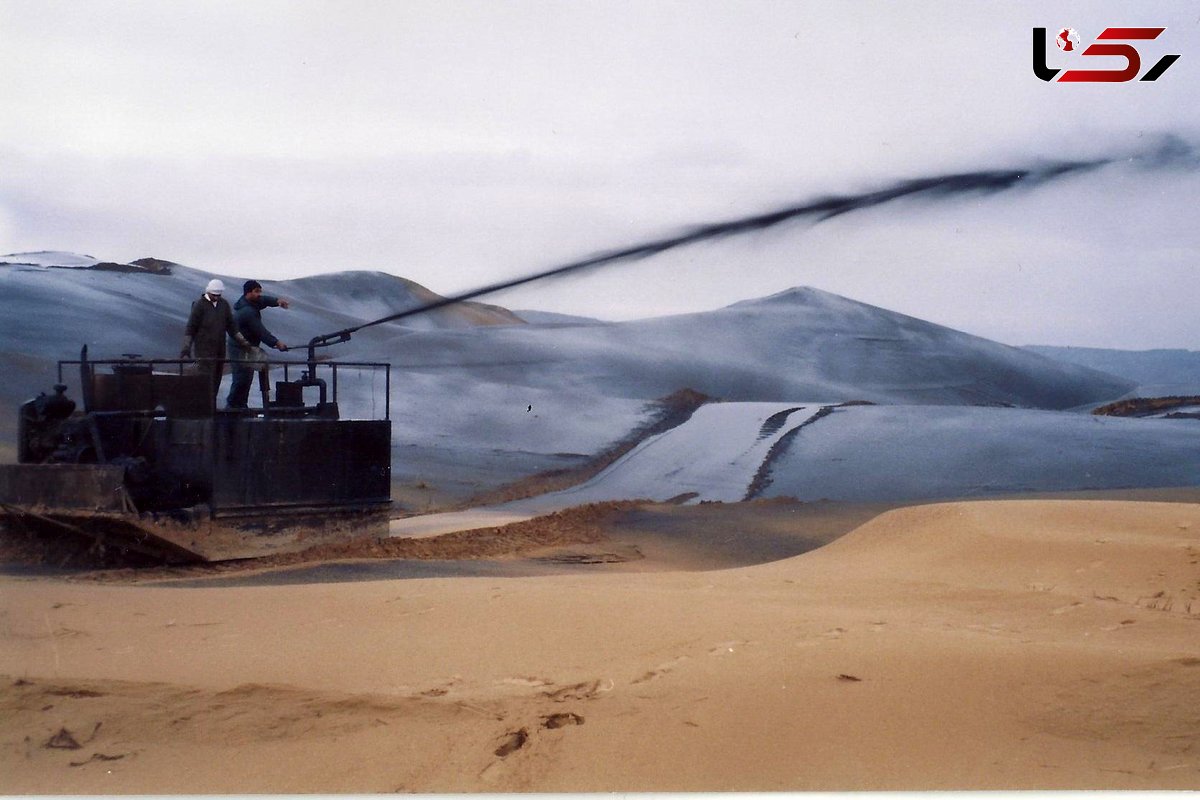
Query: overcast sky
point(458, 144)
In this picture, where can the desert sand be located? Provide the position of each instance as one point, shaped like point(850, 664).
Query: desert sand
point(1009, 644)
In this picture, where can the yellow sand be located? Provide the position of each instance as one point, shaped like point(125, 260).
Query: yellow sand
point(1008, 644)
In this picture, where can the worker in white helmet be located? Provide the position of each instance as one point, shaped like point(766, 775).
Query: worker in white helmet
point(209, 323)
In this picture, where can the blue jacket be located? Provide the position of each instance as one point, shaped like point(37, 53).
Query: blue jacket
point(248, 317)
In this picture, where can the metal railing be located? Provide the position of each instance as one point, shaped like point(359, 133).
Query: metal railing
point(310, 373)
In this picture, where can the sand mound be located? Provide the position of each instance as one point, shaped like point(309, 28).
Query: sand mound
point(1097, 550)
point(997, 645)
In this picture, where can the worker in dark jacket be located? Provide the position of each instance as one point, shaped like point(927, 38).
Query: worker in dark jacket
point(247, 314)
point(209, 323)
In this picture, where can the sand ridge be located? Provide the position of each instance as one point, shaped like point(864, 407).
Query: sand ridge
point(1007, 644)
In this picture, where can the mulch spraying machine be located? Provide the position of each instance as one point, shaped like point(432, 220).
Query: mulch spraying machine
point(145, 465)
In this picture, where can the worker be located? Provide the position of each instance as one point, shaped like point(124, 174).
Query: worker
point(247, 314)
point(210, 321)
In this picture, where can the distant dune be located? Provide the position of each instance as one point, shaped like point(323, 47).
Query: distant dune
point(481, 397)
point(1157, 373)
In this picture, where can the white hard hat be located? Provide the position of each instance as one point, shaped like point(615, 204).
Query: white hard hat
point(215, 286)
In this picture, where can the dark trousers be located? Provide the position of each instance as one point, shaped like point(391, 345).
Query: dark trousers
point(243, 377)
point(214, 368)
point(239, 390)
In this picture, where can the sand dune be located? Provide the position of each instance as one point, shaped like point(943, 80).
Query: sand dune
point(477, 400)
point(1003, 644)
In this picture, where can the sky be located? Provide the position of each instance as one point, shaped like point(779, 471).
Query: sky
point(459, 144)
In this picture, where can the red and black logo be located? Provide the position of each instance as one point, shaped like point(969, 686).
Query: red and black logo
point(1112, 42)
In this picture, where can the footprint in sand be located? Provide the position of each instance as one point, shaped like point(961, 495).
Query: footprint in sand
point(660, 670)
point(531, 682)
point(580, 691)
point(444, 688)
point(728, 648)
point(512, 742)
point(1066, 608)
point(1159, 601)
point(1122, 624)
point(561, 720)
